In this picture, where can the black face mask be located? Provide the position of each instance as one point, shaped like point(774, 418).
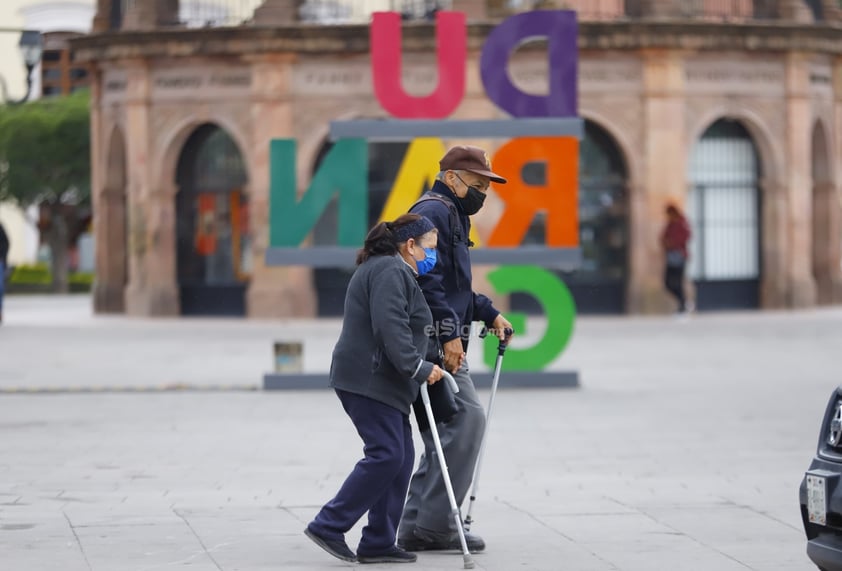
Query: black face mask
point(473, 200)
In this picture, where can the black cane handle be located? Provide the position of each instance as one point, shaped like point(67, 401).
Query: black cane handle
point(501, 346)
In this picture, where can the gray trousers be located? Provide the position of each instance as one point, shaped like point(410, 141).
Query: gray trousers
point(427, 506)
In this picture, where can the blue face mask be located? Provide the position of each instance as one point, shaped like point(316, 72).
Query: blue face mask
point(428, 262)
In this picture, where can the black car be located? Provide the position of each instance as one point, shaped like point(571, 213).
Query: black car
point(821, 492)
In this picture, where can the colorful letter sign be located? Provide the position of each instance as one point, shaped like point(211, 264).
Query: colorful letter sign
point(557, 196)
point(559, 28)
point(386, 55)
point(343, 172)
point(559, 310)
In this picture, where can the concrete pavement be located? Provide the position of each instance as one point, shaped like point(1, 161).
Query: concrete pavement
point(682, 450)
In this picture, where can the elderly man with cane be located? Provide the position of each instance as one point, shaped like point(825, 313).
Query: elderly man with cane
point(458, 193)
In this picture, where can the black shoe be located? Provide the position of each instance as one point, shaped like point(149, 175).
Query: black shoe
point(423, 541)
point(394, 555)
point(336, 547)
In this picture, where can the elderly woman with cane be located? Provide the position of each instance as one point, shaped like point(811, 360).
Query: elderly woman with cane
point(377, 370)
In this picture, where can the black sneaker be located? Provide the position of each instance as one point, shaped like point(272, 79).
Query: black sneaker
point(394, 555)
point(336, 547)
point(424, 541)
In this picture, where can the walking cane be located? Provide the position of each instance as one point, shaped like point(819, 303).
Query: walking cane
point(425, 396)
point(501, 350)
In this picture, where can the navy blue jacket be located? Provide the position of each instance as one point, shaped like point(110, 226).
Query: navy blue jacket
point(447, 287)
point(385, 331)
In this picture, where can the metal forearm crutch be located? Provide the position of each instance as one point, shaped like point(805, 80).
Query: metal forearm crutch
point(501, 350)
point(425, 396)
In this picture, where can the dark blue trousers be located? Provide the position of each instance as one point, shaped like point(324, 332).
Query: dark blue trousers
point(378, 482)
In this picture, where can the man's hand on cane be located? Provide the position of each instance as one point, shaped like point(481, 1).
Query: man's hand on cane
point(502, 328)
point(454, 354)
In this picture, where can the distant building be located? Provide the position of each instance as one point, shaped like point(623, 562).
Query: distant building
point(728, 107)
point(58, 21)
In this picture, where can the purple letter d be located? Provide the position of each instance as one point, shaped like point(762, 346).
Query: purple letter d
point(560, 29)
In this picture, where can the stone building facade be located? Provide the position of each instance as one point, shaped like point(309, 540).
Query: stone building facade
point(739, 121)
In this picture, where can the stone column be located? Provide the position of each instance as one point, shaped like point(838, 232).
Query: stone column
point(475, 10)
point(802, 292)
point(794, 10)
point(137, 107)
point(151, 14)
point(832, 11)
point(109, 232)
point(102, 17)
point(642, 294)
point(835, 246)
point(110, 219)
point(161, 296)
point(826, 240)
point(152, 288)
point(108, 287)
point(167, 13)
point(835, 201)
point(494, 8)
point(140, 16)
point(277, 12)
point(274, 292)
point(663, 177)
point(774, 244)
point(659, 8)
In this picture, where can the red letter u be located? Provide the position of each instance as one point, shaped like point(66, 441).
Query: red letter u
point(386, 52)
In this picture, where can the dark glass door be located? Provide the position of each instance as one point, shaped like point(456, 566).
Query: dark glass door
point(214, 250)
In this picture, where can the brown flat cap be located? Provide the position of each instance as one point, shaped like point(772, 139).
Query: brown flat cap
point(471, 159)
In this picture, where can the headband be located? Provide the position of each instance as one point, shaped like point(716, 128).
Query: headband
point(412, 230)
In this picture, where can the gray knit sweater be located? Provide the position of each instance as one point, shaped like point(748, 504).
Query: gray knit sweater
point(379, 352)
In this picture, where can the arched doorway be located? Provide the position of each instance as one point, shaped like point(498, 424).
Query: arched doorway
point(823, 204)
point(110, 219)
point(599, 285)
point(724, 210)
point(213, 248)
point(384, 161)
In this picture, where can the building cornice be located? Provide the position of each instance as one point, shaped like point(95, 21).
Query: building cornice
point(354, 39)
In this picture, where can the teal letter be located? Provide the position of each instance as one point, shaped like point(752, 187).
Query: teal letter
point(559, 310)
point(343, 171)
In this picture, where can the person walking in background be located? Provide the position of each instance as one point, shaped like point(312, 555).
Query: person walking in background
point(458, 193)
point(4, 258)
point(674, 241)
point(377, 371)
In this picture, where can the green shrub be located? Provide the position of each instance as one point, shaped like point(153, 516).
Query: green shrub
point(40, 274)
point(81, 279)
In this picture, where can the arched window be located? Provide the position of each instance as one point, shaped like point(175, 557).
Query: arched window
point(724, 209)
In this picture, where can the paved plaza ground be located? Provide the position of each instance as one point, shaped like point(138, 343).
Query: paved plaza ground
point(683, 448)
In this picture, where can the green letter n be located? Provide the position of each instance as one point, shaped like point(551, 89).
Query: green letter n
point(343, 171)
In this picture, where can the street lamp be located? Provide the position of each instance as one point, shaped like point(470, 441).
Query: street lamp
point(31, 46)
